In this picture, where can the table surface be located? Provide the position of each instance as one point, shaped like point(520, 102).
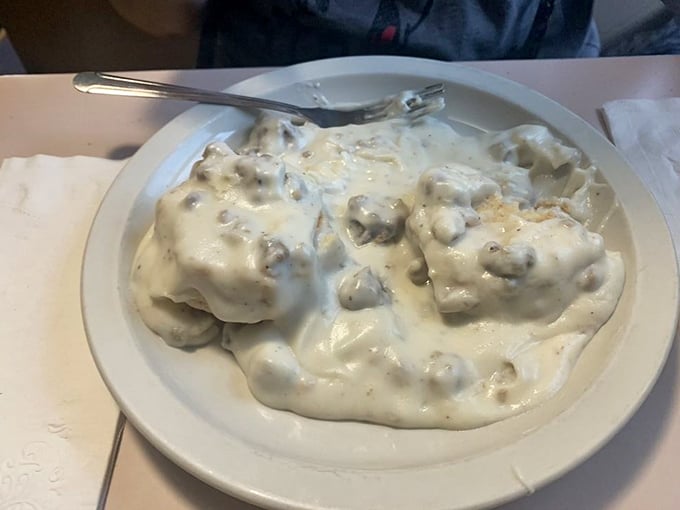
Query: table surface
point(636, 469)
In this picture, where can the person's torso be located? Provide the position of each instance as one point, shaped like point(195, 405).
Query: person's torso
point(281, 32)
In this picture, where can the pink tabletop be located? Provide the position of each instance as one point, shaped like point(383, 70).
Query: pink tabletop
point(635, 470)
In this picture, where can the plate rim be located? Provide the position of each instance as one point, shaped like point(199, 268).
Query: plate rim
point(180, 127)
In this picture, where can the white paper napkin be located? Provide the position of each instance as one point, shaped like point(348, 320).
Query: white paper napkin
point(57, 420)
point(647, 131)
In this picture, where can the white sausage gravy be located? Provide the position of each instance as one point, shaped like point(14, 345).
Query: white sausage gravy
point(395, 272)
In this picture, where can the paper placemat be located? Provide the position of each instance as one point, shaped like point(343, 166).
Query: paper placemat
point(57, 419)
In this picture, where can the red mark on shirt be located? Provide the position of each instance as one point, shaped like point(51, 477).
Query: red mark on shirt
point(388, 34)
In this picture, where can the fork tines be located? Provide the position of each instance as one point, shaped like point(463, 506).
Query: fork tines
point(431, 90)
point(413, 104)
point(425, 101)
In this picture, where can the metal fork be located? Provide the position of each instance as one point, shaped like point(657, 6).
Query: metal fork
point(409, 104)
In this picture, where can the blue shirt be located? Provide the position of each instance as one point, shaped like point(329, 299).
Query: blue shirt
point(282, 32)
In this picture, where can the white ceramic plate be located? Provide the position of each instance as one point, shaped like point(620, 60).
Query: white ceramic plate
point(195, 406)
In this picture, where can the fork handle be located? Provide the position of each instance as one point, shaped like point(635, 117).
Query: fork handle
point(101, 83)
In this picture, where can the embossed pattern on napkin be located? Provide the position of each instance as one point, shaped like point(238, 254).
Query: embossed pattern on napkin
point(57, 420)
